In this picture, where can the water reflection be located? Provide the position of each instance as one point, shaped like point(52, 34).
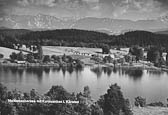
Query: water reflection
point(108, 70)
point(98, 78)
point(153, 72)
point(98, 71)
point(135, 74)
point(38, 71)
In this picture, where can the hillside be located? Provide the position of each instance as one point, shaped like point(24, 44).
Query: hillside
point(7, 51)
point(81, 38)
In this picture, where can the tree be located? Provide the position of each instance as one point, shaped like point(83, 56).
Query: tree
point(13, 56)
point(20, 56)
point(107, 59)
point(154, 55)
point(40, 52)
point(113, 102)
point(86, 91)
point(5, 107)
point(137, 51)
point(59, 93)
point(139, 101)
point(55, 58)
point(30, 58)
point(34, 94)
point(105, 49)
point(46, 59)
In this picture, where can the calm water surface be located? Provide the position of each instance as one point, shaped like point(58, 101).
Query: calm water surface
point(149, 84)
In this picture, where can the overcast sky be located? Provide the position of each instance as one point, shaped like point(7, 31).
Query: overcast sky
point(120, 9)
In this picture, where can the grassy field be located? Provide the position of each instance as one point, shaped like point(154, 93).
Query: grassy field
point(150, 111)
point(7, 51)
point(57, 50)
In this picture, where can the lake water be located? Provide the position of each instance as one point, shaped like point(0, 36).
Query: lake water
point(149, 84)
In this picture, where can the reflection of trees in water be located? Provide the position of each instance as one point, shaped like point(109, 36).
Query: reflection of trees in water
point(135, 74)
point(46, 70)
point(35, 71)
point(155, 72)
point(98, 71)
point(115, 70)
point(6, 69)
point(107, 70)
point(14, 70)
point(70, 70)
point(56, 69)
point(20, 72)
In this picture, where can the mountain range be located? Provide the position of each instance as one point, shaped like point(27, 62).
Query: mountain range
point(105, 25)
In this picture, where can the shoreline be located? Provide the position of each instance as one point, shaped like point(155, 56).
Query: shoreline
point(144, 67)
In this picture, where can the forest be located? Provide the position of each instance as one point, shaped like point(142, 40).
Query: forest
point(82, 38)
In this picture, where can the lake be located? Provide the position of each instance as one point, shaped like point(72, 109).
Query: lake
point(153, 85)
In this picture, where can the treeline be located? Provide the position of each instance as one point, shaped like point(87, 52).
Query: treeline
point(83, 38)
point(141, 38)
point(8, 37)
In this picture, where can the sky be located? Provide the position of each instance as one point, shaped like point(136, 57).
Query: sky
point(118, 9)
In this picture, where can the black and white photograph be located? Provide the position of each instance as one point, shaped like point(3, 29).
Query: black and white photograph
point(83, 57)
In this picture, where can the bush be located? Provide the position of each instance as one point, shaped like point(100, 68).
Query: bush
point(46, 59)
point(157, 104)
point(140, 102)
point(20, 56)
point(55, 58)
point(30, 58)
point(13, 56)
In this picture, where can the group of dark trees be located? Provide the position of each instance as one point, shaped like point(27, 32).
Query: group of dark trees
point(30, 57)
point(137, 51)
point(155, 55)
point(112, 103)
point(82, 38)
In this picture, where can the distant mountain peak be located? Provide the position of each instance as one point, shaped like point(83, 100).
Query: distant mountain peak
point(108, 25)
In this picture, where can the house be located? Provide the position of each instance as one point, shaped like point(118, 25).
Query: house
point(21, 62)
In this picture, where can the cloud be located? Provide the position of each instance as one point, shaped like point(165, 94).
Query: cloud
point(96, 8)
